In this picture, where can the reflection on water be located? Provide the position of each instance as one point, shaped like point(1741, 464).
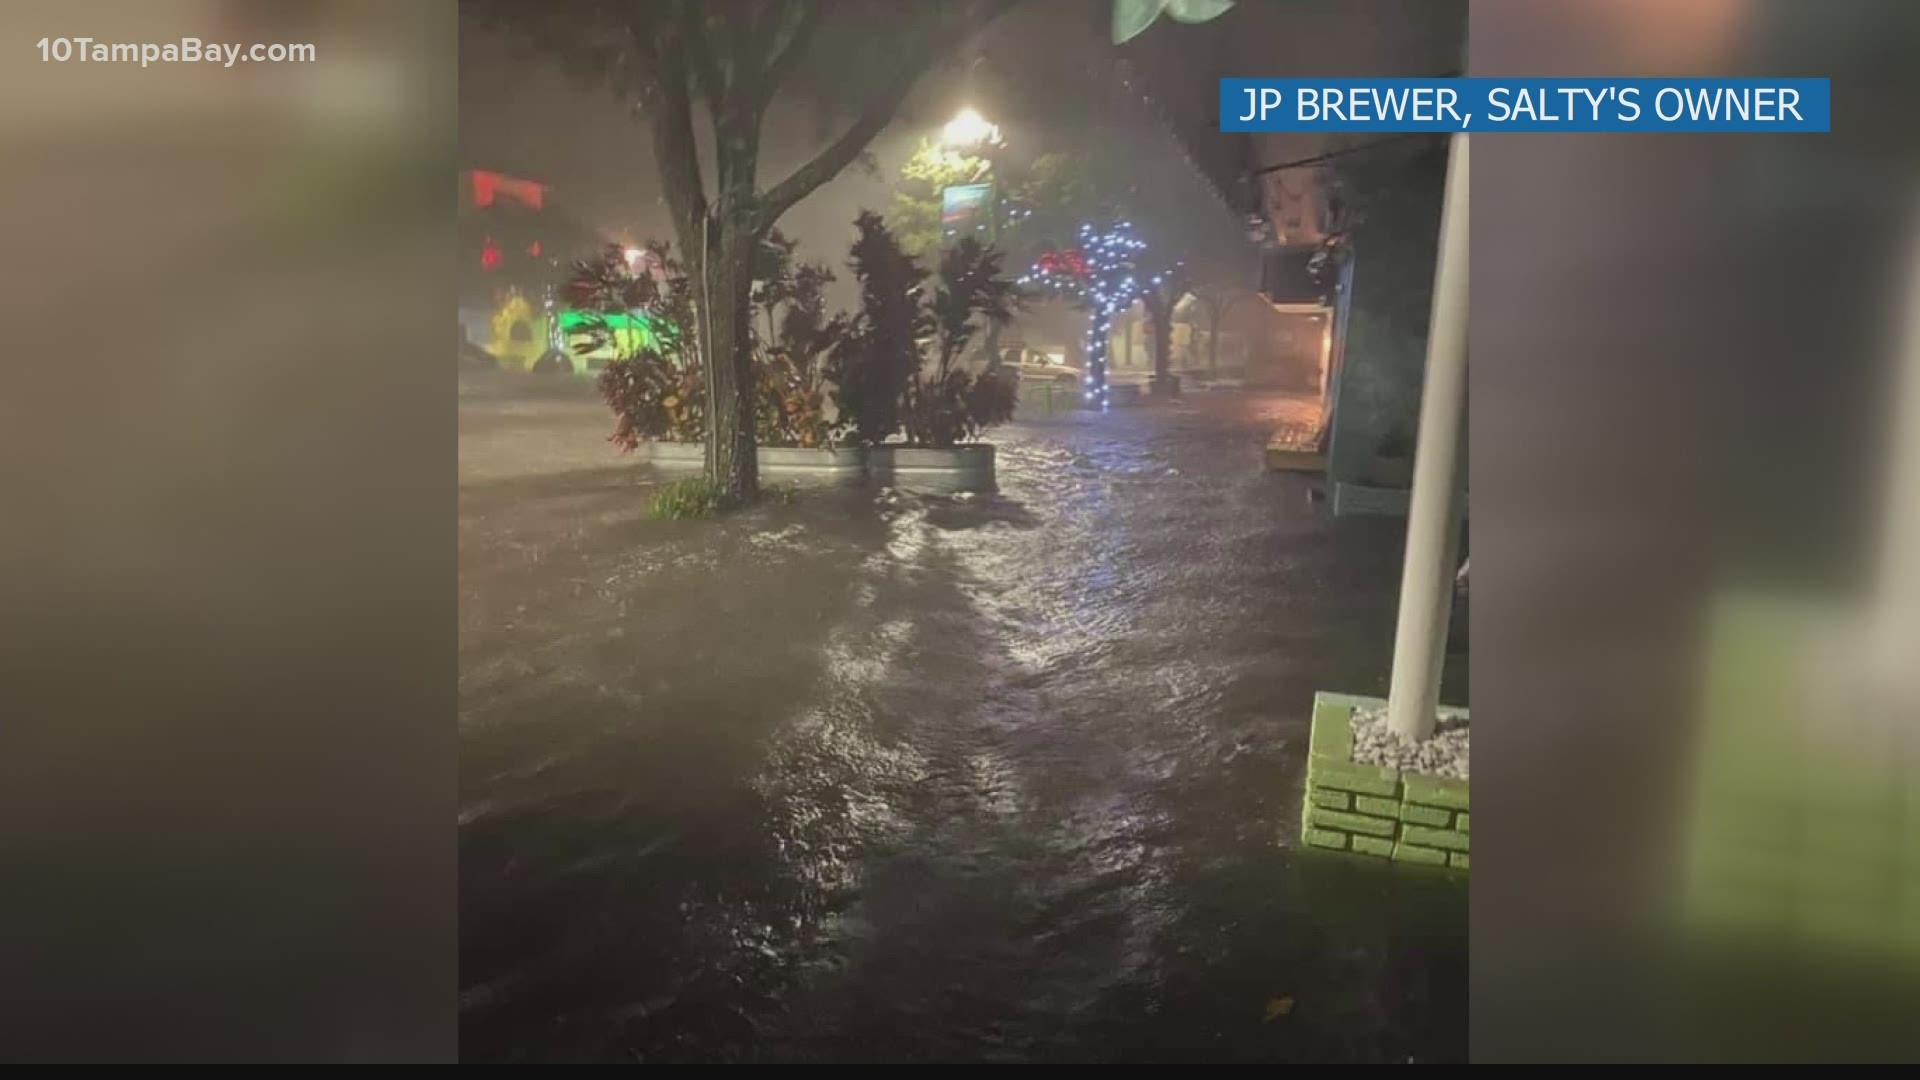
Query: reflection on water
point(897, 777)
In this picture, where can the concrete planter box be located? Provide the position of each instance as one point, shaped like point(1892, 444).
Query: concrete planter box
point(949, 469)
point(842, 465)
point(952, 469)
point(672, 455)
point(1404, 817)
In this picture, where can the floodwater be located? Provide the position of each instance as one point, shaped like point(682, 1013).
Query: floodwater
point(878, 776)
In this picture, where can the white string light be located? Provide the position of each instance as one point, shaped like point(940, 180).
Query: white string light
point(1107, 286)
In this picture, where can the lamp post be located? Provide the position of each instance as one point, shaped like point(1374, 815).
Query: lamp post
point(973, 134)
point(968, 130)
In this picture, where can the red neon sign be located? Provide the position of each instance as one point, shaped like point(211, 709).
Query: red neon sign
point(489, 186)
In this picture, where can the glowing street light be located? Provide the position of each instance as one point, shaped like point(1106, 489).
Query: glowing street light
point(970, 129)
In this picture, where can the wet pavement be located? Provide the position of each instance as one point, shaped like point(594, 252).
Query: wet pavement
point(878, 776)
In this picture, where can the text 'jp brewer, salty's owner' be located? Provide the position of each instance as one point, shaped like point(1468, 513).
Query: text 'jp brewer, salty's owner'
point(1410, 105)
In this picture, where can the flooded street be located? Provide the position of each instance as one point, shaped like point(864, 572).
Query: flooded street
point(865, 775)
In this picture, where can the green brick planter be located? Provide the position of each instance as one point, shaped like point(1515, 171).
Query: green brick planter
point(1370, 810)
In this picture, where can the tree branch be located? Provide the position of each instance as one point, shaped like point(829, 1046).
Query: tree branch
point(942, 33)
point(785, 56)
point(670, 116)
point(693, 42)
point(752, 38)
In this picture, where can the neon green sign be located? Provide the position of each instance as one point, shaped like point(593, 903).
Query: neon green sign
point(630, 333)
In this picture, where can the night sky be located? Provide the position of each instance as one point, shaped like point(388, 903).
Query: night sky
point(1029, 72)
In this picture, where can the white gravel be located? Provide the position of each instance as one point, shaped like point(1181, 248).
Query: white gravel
point(1443, 754)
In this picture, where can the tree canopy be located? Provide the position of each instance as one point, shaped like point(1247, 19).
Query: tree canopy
point(726, 61)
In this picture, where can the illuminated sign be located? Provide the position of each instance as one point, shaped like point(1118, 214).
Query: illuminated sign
point(963, 205)
point(490, 186)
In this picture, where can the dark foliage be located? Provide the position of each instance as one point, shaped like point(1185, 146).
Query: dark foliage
point(789, 297)
point(872, 365)
point(896, 370)
point(655, 392)
point(733, 58)
point(951, 405)
point(659, 392)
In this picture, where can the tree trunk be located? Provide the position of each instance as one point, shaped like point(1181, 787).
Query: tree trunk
point(1160, 327)
point(730, 413)
point(1213, 339)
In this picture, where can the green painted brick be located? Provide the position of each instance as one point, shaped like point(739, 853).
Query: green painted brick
point(1458, 860)
point(1373, 845)
point(1759, 871)
point(1425, 815)
point(1820, 876)
point(1404, 852)
point(1436, 791)
point(1332, 800)
point(1440, 838)
point(1374, 804)
point(1346, 776)
point(1359, 823)
point(1721, 829)
point(1332, 734)
point(1460, 823)
point(1726, 908)
point(1858, 925)
point(1864, 840)
point(1327, 838)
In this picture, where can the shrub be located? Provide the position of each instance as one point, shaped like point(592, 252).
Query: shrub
point(895, 368)
point(876, 359)
point(657, 390)
point(790, 369)
point(652, 399)
point(942, 406)
point(991, 400)
point(654, 385)
point(792, 406)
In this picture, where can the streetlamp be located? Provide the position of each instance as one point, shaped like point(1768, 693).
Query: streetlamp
point(977, 137)
point(968, 130)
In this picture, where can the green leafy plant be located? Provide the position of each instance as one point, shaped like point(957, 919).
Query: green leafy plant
point(871, 366)
point(657, 391)
point(790, 357)
point(693, 497)
point(655, 387)
point(896, 369)
point(653, 400)
point(949, 404)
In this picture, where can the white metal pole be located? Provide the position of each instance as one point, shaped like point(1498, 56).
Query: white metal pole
point(1433, 518)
